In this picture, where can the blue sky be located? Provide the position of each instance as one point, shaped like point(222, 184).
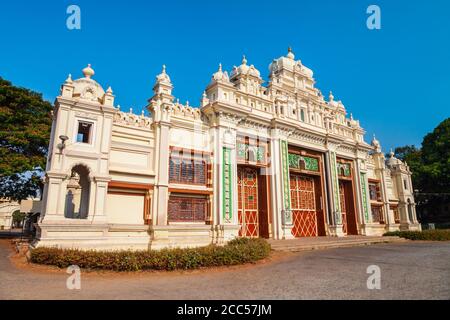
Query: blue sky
point(395, 80)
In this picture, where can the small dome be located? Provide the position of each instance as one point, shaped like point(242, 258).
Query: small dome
point(392, 161)
point(163, 76)
point(290, 54)
point(244, 69)
point(288, 62)
point(376, 144)
point(220, 75)
point(88, 71)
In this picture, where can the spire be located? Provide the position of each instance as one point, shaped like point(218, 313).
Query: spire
point(109, 90)
point(205, 99)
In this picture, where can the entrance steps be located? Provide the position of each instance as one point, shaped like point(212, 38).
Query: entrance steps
point(317, 243)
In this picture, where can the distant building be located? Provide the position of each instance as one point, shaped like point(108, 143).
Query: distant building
point(8, 207)
point(275, 161)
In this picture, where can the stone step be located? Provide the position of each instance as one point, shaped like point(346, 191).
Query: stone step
point(321, 244)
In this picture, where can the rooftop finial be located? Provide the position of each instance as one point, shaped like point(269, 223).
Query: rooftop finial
point(290, 54)
point(244, 60)
point(331, 97)
point(220, 66)
point(69, 79)
point(163, 68)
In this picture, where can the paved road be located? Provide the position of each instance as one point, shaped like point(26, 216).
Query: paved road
point(413, 270)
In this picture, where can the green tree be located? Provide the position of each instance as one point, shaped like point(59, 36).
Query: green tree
point(25, 123)
point(430, 166)
point(436, 158)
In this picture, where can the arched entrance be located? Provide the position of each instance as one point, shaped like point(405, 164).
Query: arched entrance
point(77, 195)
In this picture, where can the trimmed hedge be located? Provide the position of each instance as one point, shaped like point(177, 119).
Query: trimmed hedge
point(428, 235)
point(237, 251)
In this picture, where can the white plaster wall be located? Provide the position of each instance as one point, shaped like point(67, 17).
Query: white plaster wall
point(125, 209)
point(183, 138)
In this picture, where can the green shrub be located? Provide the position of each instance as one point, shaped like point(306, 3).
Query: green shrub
point(238, 251)
point(429, 235)
point(18, 216)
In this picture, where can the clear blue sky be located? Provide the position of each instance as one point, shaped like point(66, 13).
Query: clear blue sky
point(395, 80)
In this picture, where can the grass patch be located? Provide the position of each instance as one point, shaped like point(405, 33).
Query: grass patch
point(427, 235)
point(237, 251)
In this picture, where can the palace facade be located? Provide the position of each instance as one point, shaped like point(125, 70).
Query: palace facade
point(275, 161)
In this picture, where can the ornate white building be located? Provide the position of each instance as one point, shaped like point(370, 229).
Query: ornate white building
point(275, 161)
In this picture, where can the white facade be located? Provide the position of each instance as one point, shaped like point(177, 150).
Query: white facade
point(274, 161)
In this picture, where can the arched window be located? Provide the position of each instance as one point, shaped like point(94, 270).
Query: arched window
point(77, 195)
point(302, 115)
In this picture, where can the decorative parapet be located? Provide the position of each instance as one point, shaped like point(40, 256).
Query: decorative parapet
point(131, 119)
point(186, 111)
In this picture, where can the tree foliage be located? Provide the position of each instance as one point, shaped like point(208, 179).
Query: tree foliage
point(25, 123)
point(430, 166)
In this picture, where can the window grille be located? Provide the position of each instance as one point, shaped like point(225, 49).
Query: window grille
point(187, 209)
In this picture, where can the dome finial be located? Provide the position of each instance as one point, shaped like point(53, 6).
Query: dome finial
point(290, 54)
point(88, 71)
point(244, 60)
point(391, 153)
point(164, 68)
point(220, 67)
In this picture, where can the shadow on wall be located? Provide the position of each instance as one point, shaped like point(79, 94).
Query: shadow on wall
point(77, 196)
